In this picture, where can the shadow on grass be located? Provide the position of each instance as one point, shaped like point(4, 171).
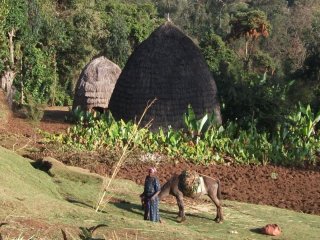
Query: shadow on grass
point(200, 217)
point(165, 214)
point(42, 165)
point(257, 230)
point(80, 203)
point(137, 209)
point(55, 116)
point(128, 206)
point(3, 224)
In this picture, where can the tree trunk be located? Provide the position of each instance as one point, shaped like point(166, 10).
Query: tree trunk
point(7, 79)
point(54, 87)
point(6, 84)
point(10, 96)
point(247, 45)
point(246, 59)
point(220, 17)
point(22, 97)
point(22, 93)
point(11, 46)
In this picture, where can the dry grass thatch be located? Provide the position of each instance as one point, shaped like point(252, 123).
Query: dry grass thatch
point(96, 84)
point(170, 67)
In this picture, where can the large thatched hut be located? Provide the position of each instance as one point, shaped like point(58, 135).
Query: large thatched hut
point(95, 84)
point(170, 67)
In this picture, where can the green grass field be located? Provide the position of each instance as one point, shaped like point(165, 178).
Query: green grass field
point(39, 204)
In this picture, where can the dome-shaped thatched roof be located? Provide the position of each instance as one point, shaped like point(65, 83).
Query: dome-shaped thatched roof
point(96, 84)
point(167, 66)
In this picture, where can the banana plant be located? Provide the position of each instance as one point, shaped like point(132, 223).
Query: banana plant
point(197, 126)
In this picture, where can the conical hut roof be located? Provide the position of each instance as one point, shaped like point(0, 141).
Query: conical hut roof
point(167, 66)
point(95, 84)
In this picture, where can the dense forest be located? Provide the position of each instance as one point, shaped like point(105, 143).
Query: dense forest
point(263, 54)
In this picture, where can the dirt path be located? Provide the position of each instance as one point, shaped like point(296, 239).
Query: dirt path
point(294, 189)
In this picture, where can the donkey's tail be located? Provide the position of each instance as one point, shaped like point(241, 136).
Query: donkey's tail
point(219, 190)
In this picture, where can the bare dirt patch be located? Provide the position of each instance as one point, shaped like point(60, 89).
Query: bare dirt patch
point(293, 189)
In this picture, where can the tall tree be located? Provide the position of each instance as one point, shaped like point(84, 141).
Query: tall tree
point(4, 10)
point(128, 24)
point(251, 25)
point(14, 23)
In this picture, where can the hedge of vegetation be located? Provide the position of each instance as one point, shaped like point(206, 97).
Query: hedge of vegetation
point(294, 143)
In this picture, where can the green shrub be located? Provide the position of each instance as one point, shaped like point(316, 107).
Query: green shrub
point(34, 109)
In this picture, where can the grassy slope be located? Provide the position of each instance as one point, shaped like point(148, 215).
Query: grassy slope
point(65, 199)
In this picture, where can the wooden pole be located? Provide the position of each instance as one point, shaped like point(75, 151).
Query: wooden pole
point(124, 155)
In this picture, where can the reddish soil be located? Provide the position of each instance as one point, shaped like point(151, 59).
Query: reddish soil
point(276, 186)
point(296, 189)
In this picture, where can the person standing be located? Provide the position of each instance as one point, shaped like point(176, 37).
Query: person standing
point(150, 197)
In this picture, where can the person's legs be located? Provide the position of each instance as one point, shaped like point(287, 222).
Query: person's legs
point(154, 210)
point(146, 209)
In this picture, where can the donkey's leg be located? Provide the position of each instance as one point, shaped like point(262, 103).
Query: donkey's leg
point(179, 198)
point(213, 194)
point(219, 217)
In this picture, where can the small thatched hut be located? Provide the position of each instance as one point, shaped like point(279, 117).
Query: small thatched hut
point(167, 66)
point(96, 84)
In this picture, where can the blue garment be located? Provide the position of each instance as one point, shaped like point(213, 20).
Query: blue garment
point(151, 207)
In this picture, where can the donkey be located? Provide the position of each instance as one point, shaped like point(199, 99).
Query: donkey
point(208, 186)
